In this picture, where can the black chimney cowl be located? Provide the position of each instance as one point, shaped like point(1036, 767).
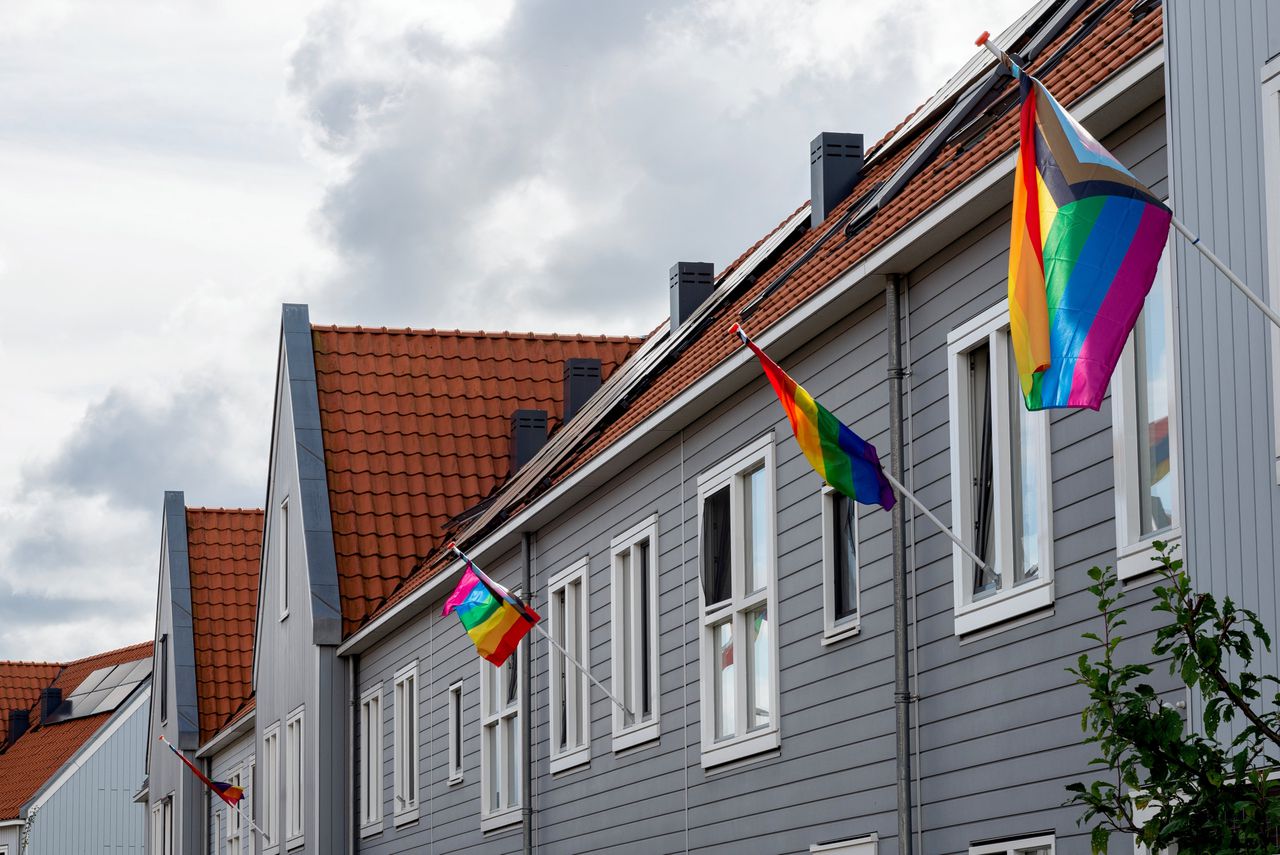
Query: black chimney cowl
point(835, 165)
point(691, 284)
point(581, 381)
point(19, 721)
point(528, 435)
point(50, 700)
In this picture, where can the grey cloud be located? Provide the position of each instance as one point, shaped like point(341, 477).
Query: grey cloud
point(131, 451)
point(657, 162)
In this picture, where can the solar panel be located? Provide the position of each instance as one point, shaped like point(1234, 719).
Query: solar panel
point(106, 688)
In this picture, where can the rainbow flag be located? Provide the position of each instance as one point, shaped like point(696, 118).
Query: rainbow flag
point(845, 460)
point(495, 618)
point(229, 794)
point(1087, 237)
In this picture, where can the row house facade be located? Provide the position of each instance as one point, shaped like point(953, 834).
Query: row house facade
point(647, 497)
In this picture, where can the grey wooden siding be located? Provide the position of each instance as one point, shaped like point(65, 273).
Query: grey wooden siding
point(93, 811)
point(232, 759)
point(998, 716)
point(1216, 51)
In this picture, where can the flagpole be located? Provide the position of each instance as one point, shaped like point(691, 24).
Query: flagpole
point(984, 41)
point(586, 672)
point(942, 527)
point(235, 807)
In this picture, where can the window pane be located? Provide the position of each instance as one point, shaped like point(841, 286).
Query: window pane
point(716, 583)
point(511, 759)
point(1151, 352)
point(456, 699)
point(643, 570)
point(495, 766)
point(624, 635)
point(846, 557)
point(754, 496)
point(759, 694)
point(573, 627)
point(1027, 455)
point(513, 682)
point(559, 617)
point(981, 464)
point(722, 639)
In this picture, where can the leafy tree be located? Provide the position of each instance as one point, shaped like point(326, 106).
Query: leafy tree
point(1209, 795)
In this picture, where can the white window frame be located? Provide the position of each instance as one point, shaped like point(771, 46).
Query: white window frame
point(868, 845)
point(271, 778)
point(1134, 552)
point(628, 544)
point(162, 826)
point(1015, 846)
point(992, 327)
point(234, 821)
point(371, 761)
point(745, 743)
point(283, 563)
point(295, 777)
point(250, 791)
point(492, 718)
point(1270, 112)
point(406, 745)
point(455, 733)
point(576, 687)
point(834, 630)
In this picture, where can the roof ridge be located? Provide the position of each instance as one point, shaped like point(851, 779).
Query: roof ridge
point(459, 333)
point(31, 663)
point(206, 510)
point(127, 648)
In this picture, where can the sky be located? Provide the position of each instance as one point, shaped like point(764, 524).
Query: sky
point(176, 170)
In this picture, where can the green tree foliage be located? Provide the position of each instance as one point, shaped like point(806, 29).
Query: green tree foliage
point(1208, 794)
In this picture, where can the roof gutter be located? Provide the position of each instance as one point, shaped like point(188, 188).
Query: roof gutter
point(228, 734)
point(981, 197)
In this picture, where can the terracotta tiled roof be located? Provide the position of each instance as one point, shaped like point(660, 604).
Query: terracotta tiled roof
point(34, 758)
point(225, 546)
point(20, 685)
point(1116, 40)
point(416, 430)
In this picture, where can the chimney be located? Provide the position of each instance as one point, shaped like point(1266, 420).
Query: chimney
point(50, 700)
point(581, 381)
point(691, 284)
point(528, 435)
point(835, 163)
point(19, 721)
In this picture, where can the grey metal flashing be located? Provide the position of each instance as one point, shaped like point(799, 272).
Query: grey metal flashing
point(182, 646)
point(313, 482)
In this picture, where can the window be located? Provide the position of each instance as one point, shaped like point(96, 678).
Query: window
point(501, 748)
point(371, 760)
point(162, 827)
point(868, 845)
point(294, 745)
point(271, 793)
point(1271, 155)
point(739, 656)
point(1144, 433)
point(1039, 845)
point(570, 691)
point(1000, 485)
point(405, 745)
point(455, 733)
point(283, 564)
point(233, 819)
point(839, 566)
point(164, 678)
point(634, 634)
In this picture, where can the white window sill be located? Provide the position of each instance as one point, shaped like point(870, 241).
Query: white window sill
point(571, 760)
point(648, 732)
point(271, 850)
point(295, 843)
point(503, 819)
point(406, 816)
point(1004, 606)
point(1139, 559)
point(456, 780)
point(372, 828)
point(739, 749)
point(868, 845)
point(840, 632)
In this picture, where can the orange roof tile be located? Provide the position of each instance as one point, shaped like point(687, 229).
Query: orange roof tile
point(416, 428)
point(42, 751)
point(1115, 41)
point(224, 548)
point(20, 685)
